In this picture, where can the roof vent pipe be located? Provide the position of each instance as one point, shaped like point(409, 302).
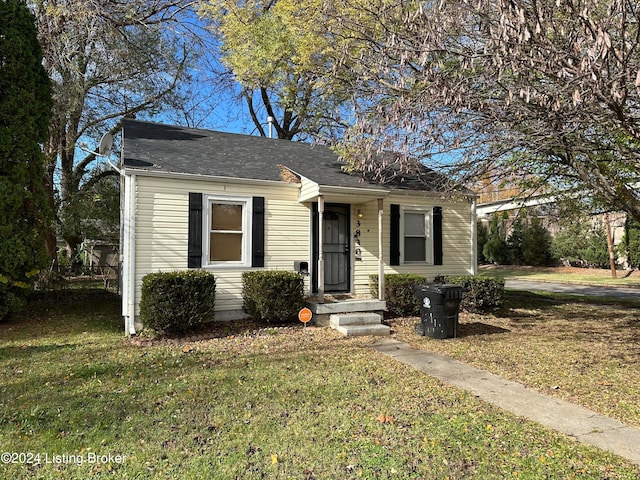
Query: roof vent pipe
point(270, 120)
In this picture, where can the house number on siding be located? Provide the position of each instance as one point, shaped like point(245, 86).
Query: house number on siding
point(356, 236)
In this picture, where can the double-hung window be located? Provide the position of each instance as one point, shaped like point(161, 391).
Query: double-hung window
point(417, 235)
point(228, 231)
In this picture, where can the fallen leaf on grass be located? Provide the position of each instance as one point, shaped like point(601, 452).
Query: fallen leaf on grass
point(384, 419)
point(169, 444)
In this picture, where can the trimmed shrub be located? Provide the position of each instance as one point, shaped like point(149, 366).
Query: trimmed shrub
point(399, 293)
point(273, 296)
point(173, 302)
point(480, 294)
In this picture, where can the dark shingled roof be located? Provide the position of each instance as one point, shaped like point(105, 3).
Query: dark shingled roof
point(167, 148)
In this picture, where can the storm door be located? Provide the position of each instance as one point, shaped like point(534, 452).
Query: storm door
point(336, 247)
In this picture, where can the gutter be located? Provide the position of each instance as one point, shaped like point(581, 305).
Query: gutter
point(208, 178)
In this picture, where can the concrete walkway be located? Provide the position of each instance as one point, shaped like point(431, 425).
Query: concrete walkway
point(586, 426)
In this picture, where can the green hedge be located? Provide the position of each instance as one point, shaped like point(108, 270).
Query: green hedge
point(480, 294)
point(399, 293)
point(273, 296)
point(173, 302)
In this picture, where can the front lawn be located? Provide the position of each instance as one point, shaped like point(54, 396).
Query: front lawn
point(269, 403)
point(576, 349)
point(586, 276)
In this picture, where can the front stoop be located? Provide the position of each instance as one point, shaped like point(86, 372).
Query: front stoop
point(359, 324)
point(323, 311)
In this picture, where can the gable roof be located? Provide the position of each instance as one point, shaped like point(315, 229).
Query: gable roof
point(173, 149)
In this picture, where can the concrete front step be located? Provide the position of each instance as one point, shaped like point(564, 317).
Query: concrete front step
point(323, 311)
point(358, 324)
point(346, 306)
point(359, 318)
point(362, 330)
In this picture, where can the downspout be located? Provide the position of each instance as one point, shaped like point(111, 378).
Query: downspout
point(380, 250)
point(474, 238)
point(127, 245)
point(131, 240)
point(124, 249)
point(127, 260)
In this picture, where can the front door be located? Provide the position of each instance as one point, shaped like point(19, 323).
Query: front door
point(336, 248)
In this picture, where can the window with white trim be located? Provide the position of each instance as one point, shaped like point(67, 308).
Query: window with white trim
point(227, 239)
point(417, 235)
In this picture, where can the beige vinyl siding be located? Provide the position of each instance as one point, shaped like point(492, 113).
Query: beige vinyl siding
point(308, 190)
point(368, 245)
point(456, 233)
point(162, 229)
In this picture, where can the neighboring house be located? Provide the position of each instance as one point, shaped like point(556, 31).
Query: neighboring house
point(229, 203)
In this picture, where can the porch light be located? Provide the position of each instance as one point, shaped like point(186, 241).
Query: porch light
point(359, 213)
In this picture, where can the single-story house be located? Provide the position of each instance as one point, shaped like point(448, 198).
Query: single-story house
point(229, 203)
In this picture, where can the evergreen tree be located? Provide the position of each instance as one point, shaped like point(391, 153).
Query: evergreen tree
point(596, 255)
point(570, 243)
point(482, 235)
point(536, 244)
point(25, 110)
point(579, 243)
point(514, 242)
point(631, 242)
point(495, 249)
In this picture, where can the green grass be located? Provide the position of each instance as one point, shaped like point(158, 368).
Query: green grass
point(574, 348)
point(589, 276)
point(287, 403)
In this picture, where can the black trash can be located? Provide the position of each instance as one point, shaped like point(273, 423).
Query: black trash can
point(440, 304)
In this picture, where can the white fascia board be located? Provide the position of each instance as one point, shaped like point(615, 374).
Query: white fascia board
point(206, 178)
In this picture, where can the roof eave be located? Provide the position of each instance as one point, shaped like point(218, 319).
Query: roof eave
point(207, 178)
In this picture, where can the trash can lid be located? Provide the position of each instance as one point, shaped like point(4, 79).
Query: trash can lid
point(440, 288)
point(443, 290)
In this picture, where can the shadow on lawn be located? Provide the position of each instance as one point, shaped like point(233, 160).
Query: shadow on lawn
point(28, 351)
point(67, 312)
point(478, 328)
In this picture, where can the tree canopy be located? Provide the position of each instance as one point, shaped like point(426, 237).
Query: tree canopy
point(106, 60)
point(544, 91)
point(279, 52)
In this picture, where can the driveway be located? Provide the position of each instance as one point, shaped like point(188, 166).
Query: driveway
point(573, 289)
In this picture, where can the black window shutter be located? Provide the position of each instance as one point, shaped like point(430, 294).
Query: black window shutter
point(257, 233)
point(437, 235)
point(394, 239)
point(195, 230)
